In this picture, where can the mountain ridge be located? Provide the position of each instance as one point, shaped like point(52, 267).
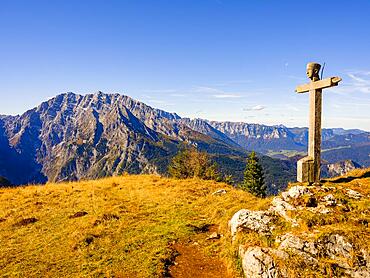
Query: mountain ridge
point(72, 136)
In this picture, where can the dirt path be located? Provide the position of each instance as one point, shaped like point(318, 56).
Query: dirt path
point(190, 261)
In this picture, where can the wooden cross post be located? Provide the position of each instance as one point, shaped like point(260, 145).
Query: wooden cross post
point(308, 168)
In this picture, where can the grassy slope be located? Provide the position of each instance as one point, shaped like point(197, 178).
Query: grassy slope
point(130, 222)
point(132, 219)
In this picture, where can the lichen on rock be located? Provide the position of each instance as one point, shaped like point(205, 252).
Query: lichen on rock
point(258, 221)
point(258, 262)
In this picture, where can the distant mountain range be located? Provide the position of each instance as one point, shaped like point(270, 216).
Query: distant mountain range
point(71, 137)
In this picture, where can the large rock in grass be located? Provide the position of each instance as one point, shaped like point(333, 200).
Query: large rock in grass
point(292, 242)
point(282, 208)
point(305, 249)
point(337, 247)
point(354, 262)
point(353, 194)
point(258, 262)
point(295, 192)
point(258, 221)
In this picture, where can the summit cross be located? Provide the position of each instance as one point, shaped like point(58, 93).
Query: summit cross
point(308, 168)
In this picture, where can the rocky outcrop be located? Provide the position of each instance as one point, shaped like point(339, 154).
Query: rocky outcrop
point(311, 249)
point(330, 200)
point(353, 194)
point(295, 192)
point(258, 262)
point(336, 247)
point(282, 208)
point(305, 249)
point(252, 131)
point(257, 221)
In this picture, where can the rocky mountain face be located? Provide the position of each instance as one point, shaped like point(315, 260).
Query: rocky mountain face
point(260, 138)
point(340, 168)
point(70, 137)
point(291, 143)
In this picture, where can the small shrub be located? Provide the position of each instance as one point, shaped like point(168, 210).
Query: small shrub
point(190, 163)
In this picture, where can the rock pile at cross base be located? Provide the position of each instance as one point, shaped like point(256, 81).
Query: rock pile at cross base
point(306, 232)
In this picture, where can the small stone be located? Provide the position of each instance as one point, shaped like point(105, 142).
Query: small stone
point(354, 194)
point(214, 235)
point(220, 192)
point(330, 200)
point(325, 210)
point(295, 192)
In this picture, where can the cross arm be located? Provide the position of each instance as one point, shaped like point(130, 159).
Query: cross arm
point(321, 84)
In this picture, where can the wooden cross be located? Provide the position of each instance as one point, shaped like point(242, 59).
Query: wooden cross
point(308, 168)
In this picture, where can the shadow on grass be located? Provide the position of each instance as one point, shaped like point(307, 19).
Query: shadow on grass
point(348, 179)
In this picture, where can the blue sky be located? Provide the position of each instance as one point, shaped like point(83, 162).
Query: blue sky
point(215, 59)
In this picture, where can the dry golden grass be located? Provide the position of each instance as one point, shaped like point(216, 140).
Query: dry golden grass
point(119, 226)
point(122, 226)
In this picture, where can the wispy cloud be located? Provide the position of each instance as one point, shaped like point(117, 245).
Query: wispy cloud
point(255, 108)
point(248, 117)
point(160, 102)
point(360, 81)
point(233, 82)
point(218, 93)
point(356, 81)
point(155, 91)
point(291, 107)
point(206, 90)
point(155, 101)
point(336, 106)
point(300, 78)
point(226, 96)
point(177, 95)
point(214, 92)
